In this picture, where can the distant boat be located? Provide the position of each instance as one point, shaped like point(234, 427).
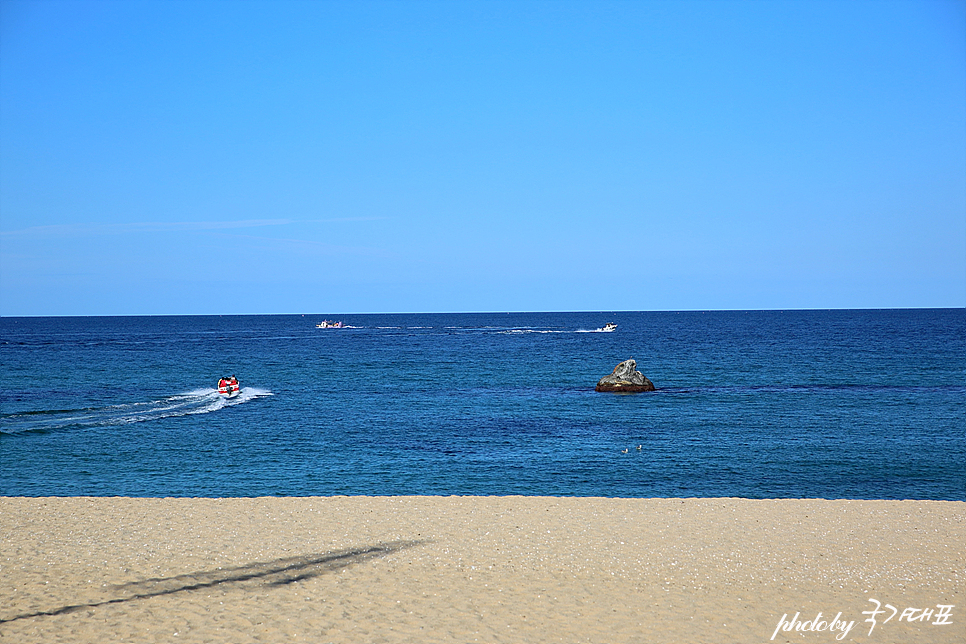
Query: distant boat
point(325, 324)
point(607, 328)
point(228, 387)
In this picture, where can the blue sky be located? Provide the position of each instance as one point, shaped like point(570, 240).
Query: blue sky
point(338, 157)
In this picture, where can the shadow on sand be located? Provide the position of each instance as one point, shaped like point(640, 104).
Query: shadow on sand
point(270, 573)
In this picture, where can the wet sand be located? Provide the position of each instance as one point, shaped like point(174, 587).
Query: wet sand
point(478, 569)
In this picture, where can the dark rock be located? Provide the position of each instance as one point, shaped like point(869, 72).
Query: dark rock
point(626, 378)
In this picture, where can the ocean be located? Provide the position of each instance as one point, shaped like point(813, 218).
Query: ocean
point(862, 404)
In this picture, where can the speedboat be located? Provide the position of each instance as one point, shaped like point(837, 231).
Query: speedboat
point(325, 324)
point(607, 328)
point(228, 387)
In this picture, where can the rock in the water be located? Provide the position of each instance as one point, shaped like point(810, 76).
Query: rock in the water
point(625, 378)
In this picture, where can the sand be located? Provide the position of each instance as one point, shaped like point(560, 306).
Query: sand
point(478, 569)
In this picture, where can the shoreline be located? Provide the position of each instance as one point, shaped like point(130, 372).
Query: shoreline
point(487, 569)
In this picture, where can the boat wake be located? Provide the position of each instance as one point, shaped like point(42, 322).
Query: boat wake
point(607, 328)
point(486, 330)
point(602, 329)
point(200, 401)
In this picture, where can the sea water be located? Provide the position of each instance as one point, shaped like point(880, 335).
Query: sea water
point(862, 404)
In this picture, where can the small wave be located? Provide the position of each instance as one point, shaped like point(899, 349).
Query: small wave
point(198, 401)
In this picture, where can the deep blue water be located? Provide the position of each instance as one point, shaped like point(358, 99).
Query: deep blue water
point(758, 404)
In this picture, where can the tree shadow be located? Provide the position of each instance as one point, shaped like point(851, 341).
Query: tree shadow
point(265, 574)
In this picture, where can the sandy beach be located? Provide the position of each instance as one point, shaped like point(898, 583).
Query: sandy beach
point(480, 569)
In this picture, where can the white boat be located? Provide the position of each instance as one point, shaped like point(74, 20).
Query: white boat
point(325, 324)
point(228, 387)
point(607, 328)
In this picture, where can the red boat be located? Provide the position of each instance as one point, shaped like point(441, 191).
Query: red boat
point(229, 387)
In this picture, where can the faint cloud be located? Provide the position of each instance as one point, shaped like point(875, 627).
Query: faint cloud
point(162, 226)
point(312, 245)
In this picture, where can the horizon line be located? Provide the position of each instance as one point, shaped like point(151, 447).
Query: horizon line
point(791, 309)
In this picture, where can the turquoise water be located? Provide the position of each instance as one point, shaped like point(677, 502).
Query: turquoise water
point(758, 404)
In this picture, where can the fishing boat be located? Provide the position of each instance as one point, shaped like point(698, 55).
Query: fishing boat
point(325, 324)
point(228, 387)
point(607, 328)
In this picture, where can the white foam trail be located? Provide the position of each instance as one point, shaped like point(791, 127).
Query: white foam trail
point(197, 401)
point(249, 393)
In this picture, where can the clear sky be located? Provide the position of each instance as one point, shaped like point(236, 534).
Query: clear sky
point(337, 157)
